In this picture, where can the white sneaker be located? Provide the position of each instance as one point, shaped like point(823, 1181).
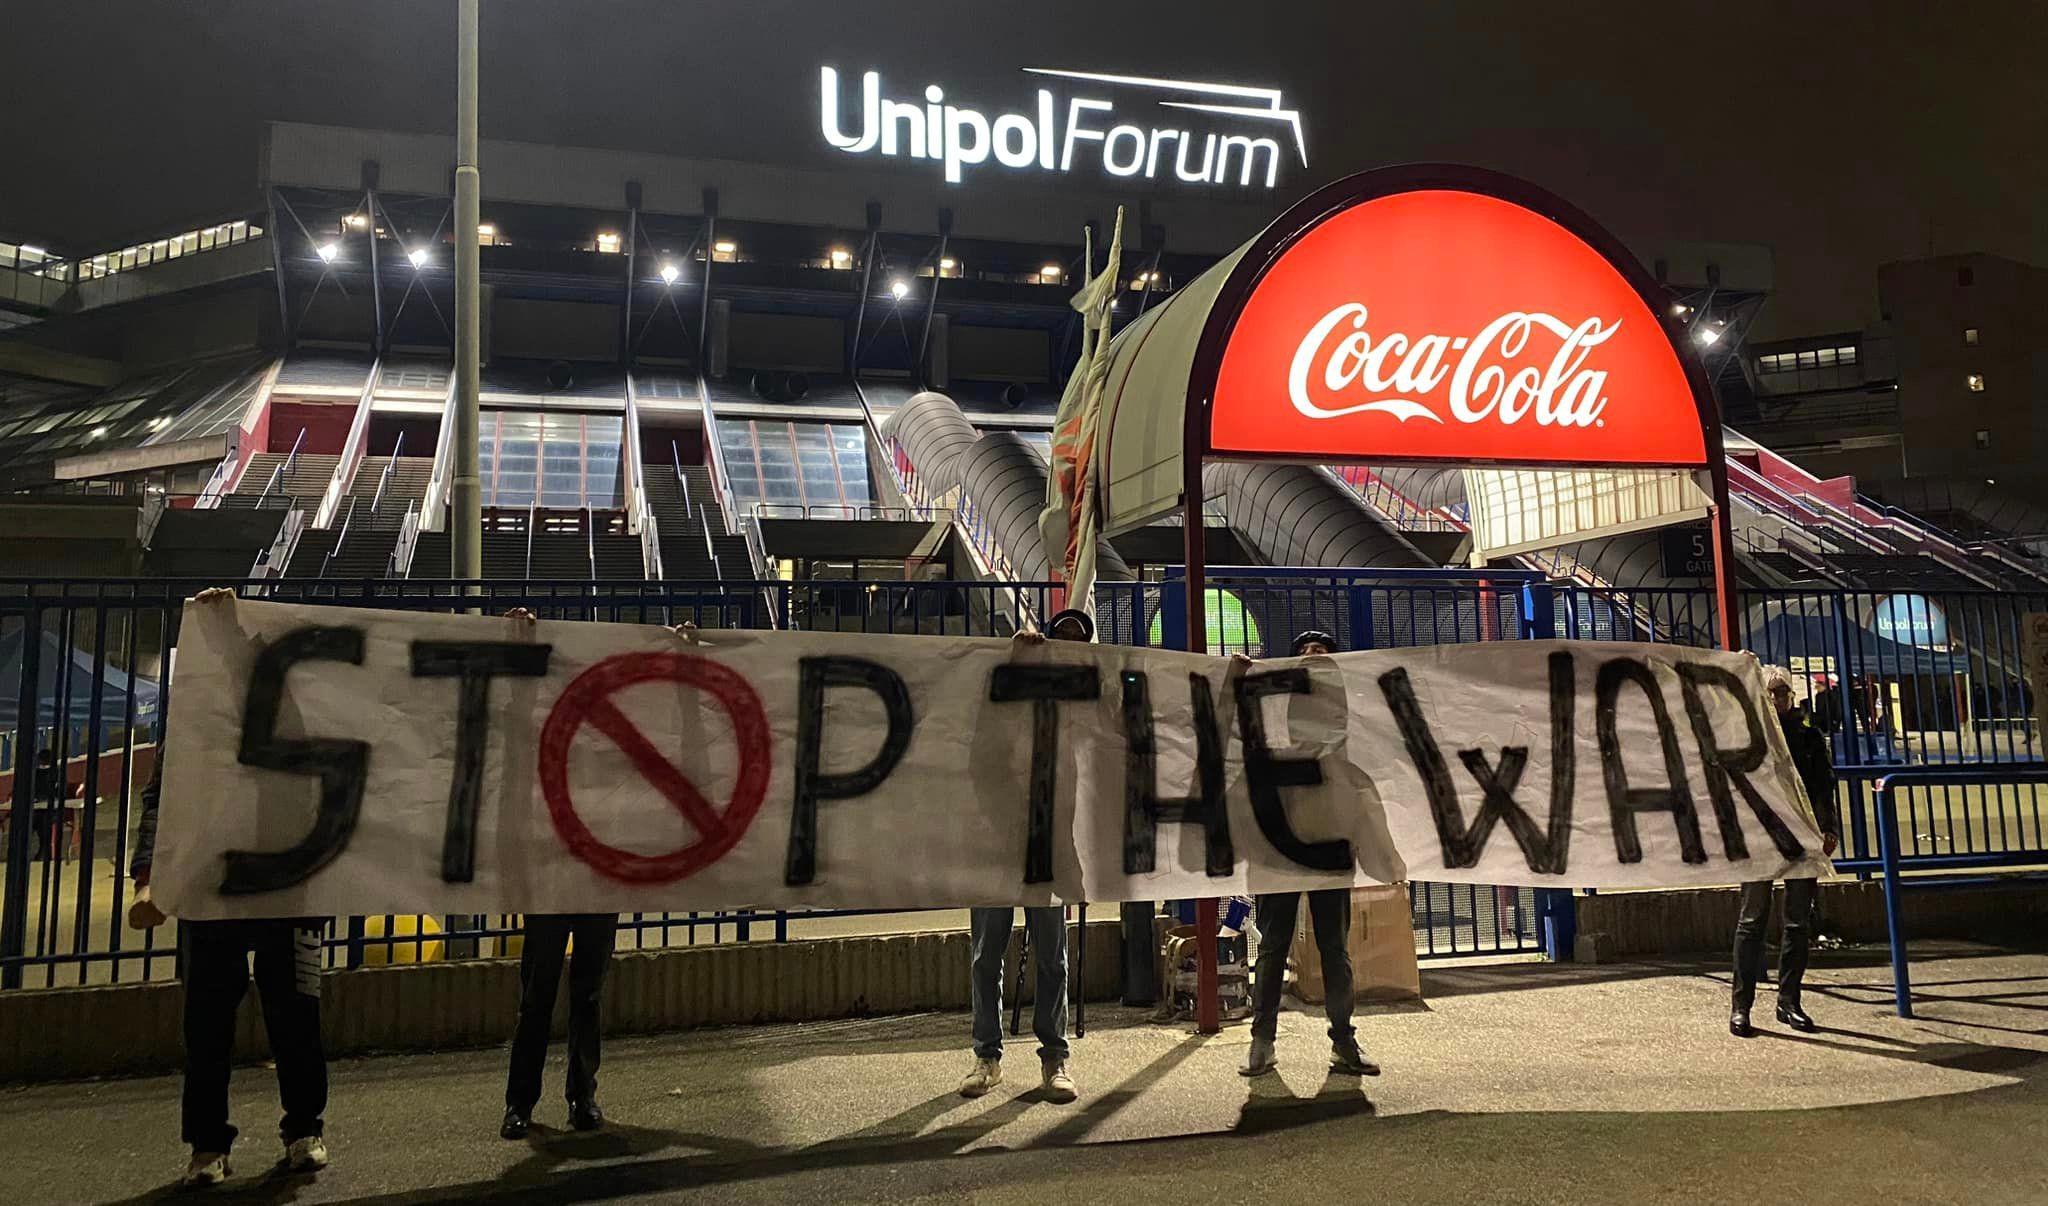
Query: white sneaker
point(987, 1074)
point(1057, 1085)
point(306, 1155)
point(207, 1169)
point(1259, 1060)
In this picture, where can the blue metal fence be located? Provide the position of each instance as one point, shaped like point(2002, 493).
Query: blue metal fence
point(80, 669)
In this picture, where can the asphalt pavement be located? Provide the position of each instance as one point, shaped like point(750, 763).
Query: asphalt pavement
point(1513, 1083)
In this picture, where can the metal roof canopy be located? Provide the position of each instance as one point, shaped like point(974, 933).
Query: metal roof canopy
point(1164, 377)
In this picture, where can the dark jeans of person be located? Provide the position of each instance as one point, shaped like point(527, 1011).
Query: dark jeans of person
point(540, 970)
point(1330, 909)
point(1749, 939)
point(288, 986)
point(1141, 953)
point(989, 931)
point(44, 823)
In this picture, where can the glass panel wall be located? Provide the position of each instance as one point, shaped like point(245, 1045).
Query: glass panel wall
point(551, 459)
point(792, 465)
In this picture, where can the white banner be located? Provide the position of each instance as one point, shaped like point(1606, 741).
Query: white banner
point(333, 761)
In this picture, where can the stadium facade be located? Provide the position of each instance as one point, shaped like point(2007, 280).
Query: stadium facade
point(793, 394)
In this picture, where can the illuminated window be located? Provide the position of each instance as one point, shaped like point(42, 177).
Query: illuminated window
point(1976, 382)
point(1231, 628)
point(608, 242)
point(486, 234)
point(1970, 336)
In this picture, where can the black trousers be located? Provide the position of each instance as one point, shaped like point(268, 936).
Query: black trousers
point(287, 960)
point(1277, 913)
point(1749, 939)
point(1141, 953)
point(540, 969)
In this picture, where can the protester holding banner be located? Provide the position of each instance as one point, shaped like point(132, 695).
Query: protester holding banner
point(1276, 914)
point(1047, 929)
point(548, 937)
point(216, 956)
point(1810, 756)
point(548, 940)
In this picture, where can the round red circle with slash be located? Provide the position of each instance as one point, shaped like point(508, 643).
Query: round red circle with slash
point(589, 700)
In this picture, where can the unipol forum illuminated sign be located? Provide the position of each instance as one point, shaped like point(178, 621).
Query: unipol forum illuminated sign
point(1244, 135)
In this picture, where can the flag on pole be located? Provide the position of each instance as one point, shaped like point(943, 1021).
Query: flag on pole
point(1070, 522)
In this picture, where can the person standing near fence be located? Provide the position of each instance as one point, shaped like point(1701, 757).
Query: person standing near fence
point(1275, 916)
point(216, 957)
point(548, 942)
point(1810, 756)
point(548, 937)
point(1047, 928)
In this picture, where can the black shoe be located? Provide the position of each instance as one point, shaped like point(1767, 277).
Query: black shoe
point(1796, 1018)
point(1738, 1024)
point(515, 1125)
point(1347, 1059)
point(585, 1116)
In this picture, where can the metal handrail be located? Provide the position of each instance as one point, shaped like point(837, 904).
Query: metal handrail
point(284, 466)
point(590, 540)
point(676, 457)
point(1888, 849)
point(400, 561)
point(346, 519)
point(532, 522)
point(384, 478)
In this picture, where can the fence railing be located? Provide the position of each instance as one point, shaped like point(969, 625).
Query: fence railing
point(1890, 689)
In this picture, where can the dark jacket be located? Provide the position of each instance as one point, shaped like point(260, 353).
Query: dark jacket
point(145, 832)
point(1815, 763)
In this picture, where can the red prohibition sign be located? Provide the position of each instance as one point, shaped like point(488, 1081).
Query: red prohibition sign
point(589, 700)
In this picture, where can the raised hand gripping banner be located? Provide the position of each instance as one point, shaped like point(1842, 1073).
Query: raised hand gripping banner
point(332, 761)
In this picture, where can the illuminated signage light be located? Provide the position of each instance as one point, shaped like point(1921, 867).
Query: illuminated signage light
point(1393, 329)
point(1049, 138)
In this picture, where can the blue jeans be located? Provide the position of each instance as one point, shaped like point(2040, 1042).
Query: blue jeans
point(990, 930)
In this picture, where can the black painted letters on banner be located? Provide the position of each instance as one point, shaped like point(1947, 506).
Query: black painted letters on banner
point(339, 764)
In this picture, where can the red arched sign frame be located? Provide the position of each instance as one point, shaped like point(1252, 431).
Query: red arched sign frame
point(1301, 221)
point(1238, 290)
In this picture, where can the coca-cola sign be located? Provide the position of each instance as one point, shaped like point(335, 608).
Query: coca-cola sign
point(1448, 325)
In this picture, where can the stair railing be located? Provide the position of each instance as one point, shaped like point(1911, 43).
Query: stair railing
point(676, 458)
point(650, 549)
point(384, 478)
point(353, 446)
point(283, 467)
point(532, 521)
point(400, 563)
point(434, 504)
point(270, 562)
point(217, 484)
point(347, 518)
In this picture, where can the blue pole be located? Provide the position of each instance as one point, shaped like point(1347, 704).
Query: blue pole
point(1894, 923)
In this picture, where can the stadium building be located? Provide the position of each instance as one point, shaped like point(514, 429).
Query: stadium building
point(823, 398)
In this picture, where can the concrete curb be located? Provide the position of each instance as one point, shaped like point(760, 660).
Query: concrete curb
point(128, 1029)
point(1619, 925)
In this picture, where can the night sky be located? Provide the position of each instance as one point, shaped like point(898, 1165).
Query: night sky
point(1842, 135)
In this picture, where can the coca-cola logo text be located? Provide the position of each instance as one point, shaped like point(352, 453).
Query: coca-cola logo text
point(1443, 325)
point(1503, 372)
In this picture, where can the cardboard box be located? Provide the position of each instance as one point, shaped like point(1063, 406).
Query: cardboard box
point(1383, 966)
